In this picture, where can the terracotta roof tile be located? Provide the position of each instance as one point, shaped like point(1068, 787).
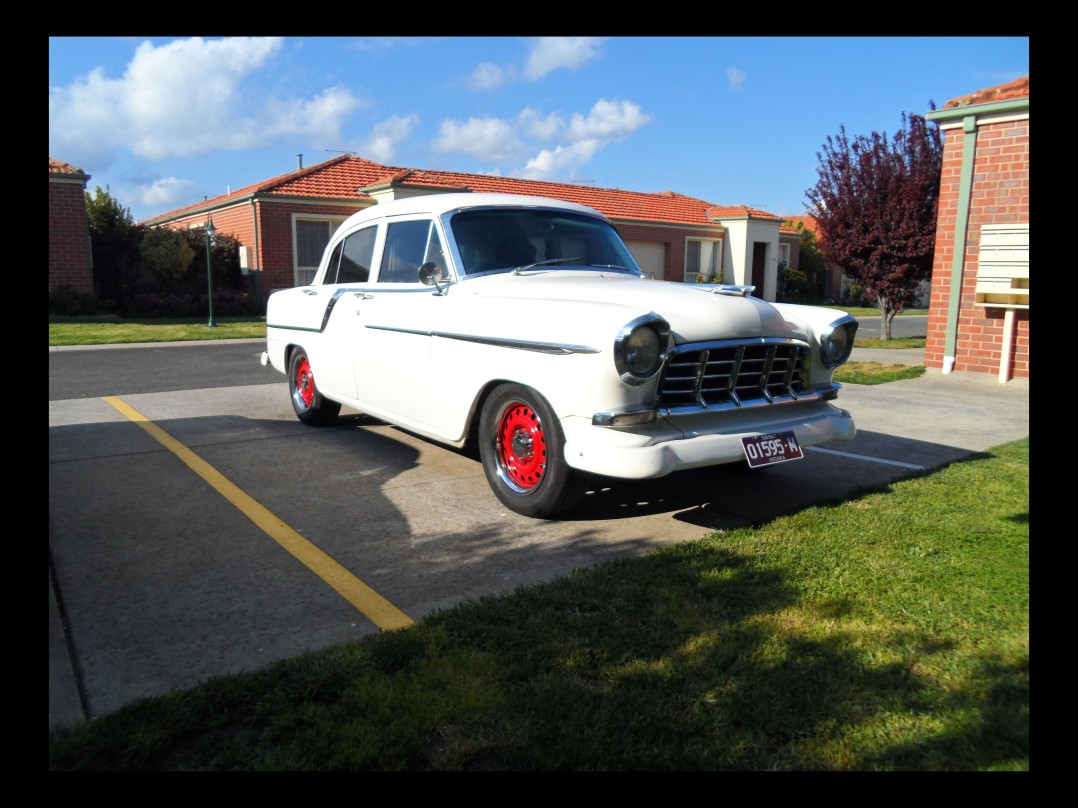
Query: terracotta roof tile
point(60, 167)
point(738, 212)
point(341, 177)
point(807, 222)
point(1019, 88)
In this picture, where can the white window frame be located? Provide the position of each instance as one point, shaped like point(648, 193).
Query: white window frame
point(710, 261)
point(304, 275)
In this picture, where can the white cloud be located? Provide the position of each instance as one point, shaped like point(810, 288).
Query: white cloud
point(538, 126)
point(545, 55)
point(559, 53)
point(484, 138)
point(608, 121)
point(490, 76)
point(186, 98)
point(165, 193)
point(735, 78)
point(562, 161)
point(381, 144)
point(494, 139)
point(320, 117)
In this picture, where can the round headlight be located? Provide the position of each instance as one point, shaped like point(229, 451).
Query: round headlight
point(837, 343)
point(640, 349)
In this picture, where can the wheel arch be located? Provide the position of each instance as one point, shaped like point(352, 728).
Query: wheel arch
point(471, 427)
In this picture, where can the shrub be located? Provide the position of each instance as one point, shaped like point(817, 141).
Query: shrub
point(795, 286)
point(69, 302)
point(226, 303)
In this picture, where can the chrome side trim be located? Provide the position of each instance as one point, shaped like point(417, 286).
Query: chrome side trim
point(337, 295)
point(498, 342)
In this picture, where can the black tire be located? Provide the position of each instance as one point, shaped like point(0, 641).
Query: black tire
point(521, 446)
point(311, 406)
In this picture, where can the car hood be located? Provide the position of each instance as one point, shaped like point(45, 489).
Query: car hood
point(695, 312)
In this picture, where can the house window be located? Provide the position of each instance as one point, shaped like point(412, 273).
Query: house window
point(702, 261)
point(784, 255)
point(311, 235)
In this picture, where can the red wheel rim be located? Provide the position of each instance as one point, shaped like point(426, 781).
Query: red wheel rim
point(304, 382)
point(521, 445)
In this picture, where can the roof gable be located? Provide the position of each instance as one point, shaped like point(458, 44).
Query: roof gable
point(343, 177)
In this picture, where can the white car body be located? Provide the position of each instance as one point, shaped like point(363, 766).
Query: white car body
point(427, 353)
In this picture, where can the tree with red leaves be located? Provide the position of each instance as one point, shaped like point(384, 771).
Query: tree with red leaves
point(875, 204)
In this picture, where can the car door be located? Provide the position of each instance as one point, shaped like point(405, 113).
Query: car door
point(392, 346)
point(335, 302)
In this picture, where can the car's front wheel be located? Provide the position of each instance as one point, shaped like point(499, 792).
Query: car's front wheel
point(310, 405)
point(522, 448)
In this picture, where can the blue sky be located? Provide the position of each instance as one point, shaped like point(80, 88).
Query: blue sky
point(164, 122)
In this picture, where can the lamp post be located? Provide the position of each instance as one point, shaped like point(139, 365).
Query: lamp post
point(210, 231)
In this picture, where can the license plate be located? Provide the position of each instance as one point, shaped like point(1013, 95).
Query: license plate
point(773, 447)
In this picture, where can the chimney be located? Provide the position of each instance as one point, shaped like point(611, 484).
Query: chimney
point(300, 158)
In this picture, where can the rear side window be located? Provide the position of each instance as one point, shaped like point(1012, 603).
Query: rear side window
point(351, 259)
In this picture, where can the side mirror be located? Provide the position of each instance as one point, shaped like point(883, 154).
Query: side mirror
point(429, 274)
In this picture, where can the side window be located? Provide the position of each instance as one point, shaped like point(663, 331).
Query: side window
point(408, 246)
point(436, 253)
point(357, 257)
point(334, 262)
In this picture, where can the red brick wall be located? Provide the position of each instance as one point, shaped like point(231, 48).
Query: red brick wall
point(672, 237)
point(1000, 195)
point(274, 234)
point(70, 264)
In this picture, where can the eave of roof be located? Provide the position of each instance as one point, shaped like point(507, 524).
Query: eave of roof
point(59, 167)
point(1010, 97)
point(352, 178)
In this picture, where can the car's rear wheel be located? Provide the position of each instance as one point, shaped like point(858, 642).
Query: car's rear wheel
point(522, 448)
point(310, 405)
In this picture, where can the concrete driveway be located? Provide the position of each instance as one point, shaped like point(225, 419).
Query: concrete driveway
point(167, 511)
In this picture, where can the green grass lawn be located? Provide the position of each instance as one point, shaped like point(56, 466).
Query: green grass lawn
point(115, 331)
point(109, 330)
point(888, 632)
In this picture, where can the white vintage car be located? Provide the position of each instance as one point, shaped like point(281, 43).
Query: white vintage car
point(523, 326)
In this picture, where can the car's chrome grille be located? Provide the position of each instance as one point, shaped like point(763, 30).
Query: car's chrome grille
point(734, 373)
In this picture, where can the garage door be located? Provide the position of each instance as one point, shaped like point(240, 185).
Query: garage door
point(650, 255)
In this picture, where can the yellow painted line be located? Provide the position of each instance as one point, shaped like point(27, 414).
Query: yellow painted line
point(376, 608)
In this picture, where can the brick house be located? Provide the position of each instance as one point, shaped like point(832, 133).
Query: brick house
point(70, 262)
point(284, 223)
point(829, 281)
point(978, 319)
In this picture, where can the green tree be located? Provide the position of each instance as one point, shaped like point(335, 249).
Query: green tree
point(811, 260)
point(114, 246)
point(804, 283)
point(875, 203)
point(224, 254)
point(167, 254)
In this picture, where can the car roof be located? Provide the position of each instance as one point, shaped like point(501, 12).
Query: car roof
point(437, 204)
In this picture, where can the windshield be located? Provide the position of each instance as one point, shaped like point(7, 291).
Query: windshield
point(512, 238)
